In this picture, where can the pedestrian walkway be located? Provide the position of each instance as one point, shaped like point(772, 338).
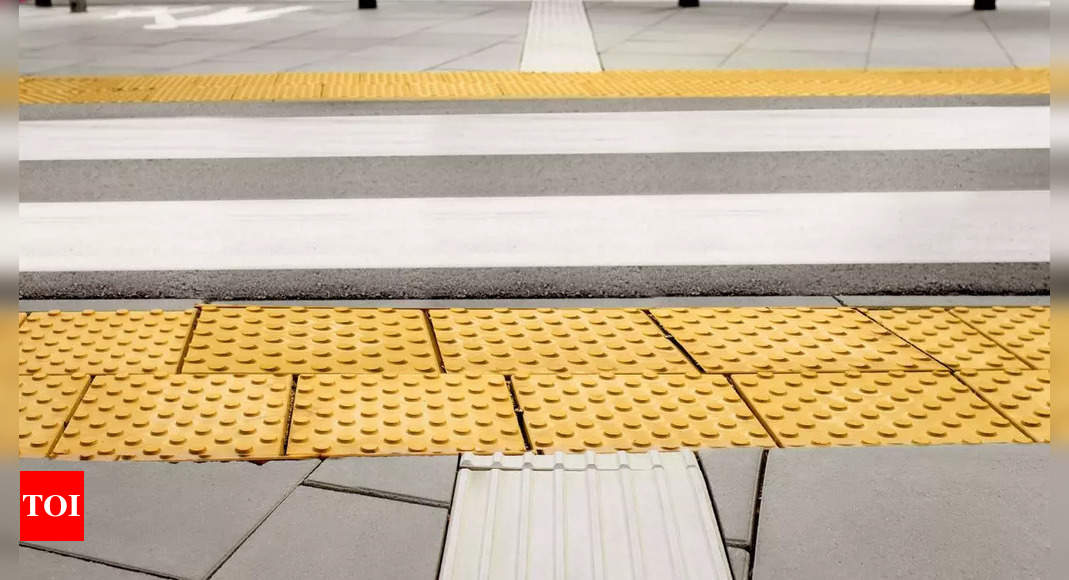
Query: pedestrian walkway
point(510, 36)
point(643, 515)
point(227, 382)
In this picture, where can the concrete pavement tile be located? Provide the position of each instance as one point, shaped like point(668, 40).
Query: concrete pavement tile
point(177, 519)
point(426, 478)
point(732, 476)
point(739, 560)
point(906, 512)
point(621, 60)
point(750, 58)
point(504, 56)
point(318, 533)
point(40, 565)
point(919, 301)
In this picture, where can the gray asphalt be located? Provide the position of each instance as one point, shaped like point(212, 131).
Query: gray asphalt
point(532, 175)
point(332, 108)
point(504, 283)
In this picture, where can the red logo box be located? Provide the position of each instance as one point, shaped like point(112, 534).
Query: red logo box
point(52, 506)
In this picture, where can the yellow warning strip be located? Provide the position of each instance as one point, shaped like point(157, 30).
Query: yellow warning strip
point(473, 85)
point(262, 383)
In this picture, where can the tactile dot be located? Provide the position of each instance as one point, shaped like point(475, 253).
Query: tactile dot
point(741, 340)
point(196, 417)
point(549, 340)
point(1024, 331)
point(625, 412)
point(946, 338)
point(45, 404)
point(1022, 395)
point(874, 408)
point(102, 343)
point(306, 340)
point(390, 414)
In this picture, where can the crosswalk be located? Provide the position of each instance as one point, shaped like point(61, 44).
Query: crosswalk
point(685, 230)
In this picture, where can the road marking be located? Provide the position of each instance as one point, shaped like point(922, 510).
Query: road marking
point(667, 230)
point(164, 16)
point(890, 129)
point(559, 38)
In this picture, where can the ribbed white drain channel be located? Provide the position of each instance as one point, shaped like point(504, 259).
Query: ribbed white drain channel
point(578, 516)
point(559, 38)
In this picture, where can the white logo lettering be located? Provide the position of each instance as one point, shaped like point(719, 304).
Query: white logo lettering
point(33, 503)
point(48, 505)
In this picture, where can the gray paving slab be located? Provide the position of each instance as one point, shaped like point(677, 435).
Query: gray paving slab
point(732, 476)
point(409, 107)
point(176, 519)
point(652, 302)
point(408, 478)
point(905, 512)
point(319, 533)
point(527, 175)
point(759, 58)
point(1037, 300)
point(105, 305)
point(739, 560)
point(36, 564)
point(544, 282)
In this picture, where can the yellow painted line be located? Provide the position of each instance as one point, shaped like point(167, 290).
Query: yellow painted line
point(465, 85)
point(271, 382)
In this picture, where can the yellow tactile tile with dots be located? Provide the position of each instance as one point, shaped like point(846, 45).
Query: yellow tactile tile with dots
point(739, 340)
point(855, 408)
point(103, 343)
point(310, 340)
point(549, 340)
point(1022, 395)
point(608, 412)
point(437, 85)
point(22, 318)
point(45, 404)
point(179, 417)
point(383, 414)
point(1024, 330)
point(946, 338)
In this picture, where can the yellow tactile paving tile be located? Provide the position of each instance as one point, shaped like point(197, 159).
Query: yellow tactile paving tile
point(179, 417)
point(609, 412)
point(1022, 395)
point(293, 86)
point(1024, 330)
point(310, 340)
point(946, 338)
point(402, 414)
point(22, 317)
point(550, 340)
point(101, 343)
point(45, 404)
point(740, 340)
point(855, 408)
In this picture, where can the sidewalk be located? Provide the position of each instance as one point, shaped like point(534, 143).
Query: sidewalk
point(476, 36)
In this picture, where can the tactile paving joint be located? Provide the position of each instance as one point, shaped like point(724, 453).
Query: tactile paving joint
point(99, 343)
point(946, 338)
point(548, 340)
point(310, 340)
point(1021, 395)
point(179, 417)
point(635, 412)
point(1024, 331)
point(740, 340)
point(402, 414)
point(45, 404)
point(857, 408)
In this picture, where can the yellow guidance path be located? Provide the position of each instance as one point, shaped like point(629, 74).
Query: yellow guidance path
point(467, 85)
point(259, 383)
